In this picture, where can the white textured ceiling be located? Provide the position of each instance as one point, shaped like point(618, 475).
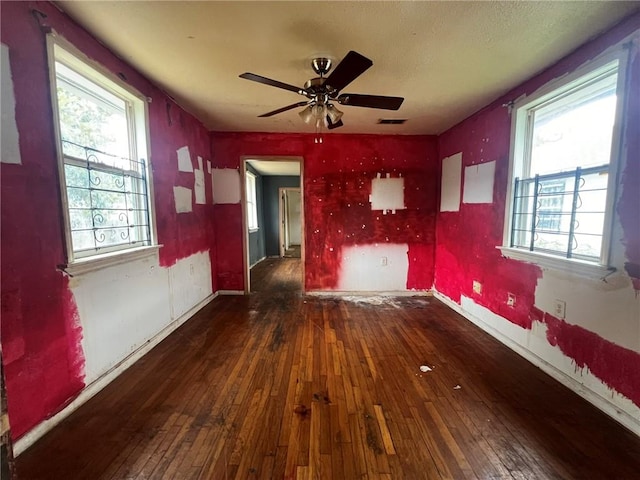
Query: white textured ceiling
point(448, 59)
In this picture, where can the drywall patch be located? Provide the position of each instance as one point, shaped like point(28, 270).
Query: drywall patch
point(478, 183)
point(451, 182)
point(198, 187)
point(189, 283)
point(183, 199)
point(226, 186)
point(377, 267)
point(10, 139)
point(387, 194)
point(184, 160)
point(613, 300)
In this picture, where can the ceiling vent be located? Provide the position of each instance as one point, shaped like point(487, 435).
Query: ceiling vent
point(392, 121)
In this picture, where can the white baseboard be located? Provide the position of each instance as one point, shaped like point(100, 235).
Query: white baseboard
point(257, 262)
point(399, 293)
point(94, 387)
point(230, 292)
point(592, 397)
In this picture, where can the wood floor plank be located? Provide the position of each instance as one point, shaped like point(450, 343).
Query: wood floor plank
point(278, 385)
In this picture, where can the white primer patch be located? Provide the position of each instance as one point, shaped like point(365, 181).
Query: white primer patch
point(184, 160)
point(387, 194)
point(226, 185)
point(208, 167)
point(198, 186)
point(478, 183)
point(361, 268)
point(10, 139)
point(182, 198)
point(451, 182)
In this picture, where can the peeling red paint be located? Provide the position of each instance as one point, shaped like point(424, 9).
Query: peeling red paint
point(617, 367)
point(337, 185)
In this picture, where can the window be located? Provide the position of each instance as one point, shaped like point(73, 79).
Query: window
point(252, 210)
point(563, 159)
point(101, 127)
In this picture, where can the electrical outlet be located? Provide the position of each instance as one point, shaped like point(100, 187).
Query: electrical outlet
point(384, 261)
point(511, 300)
point(559, 308)
point(477, 287)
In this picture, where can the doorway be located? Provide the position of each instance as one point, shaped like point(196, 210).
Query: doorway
point(273, 218)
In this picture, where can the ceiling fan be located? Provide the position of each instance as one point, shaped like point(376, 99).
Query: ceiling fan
point(324, 92)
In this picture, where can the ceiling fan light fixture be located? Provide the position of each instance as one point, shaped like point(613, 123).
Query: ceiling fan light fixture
point(334, 114)
point(307, 114)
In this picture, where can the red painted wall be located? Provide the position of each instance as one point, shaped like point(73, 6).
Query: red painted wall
point(337, 184)
point(40, 329)
point(466, 240)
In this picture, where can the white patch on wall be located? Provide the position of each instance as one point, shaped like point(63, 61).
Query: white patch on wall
point(120, 308)
point(184, 160)
point(226, 185)
point(123, 306)
point(478, 183)
point(208, 167)
point(10, 146)
point(451, 182)
point(589, 301)
point(183, 199)
point(374, 268)
point(198, 187)
point(189, 283)
point(387, 194)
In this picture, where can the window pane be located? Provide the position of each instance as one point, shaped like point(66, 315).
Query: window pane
point(575, 130)
point(90, 116)
point(105, 182)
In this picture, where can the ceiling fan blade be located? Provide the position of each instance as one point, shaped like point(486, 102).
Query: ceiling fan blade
point(274, 83)
point(370, 101)
point(283, 109)
point(331, 126)
point(351, 67)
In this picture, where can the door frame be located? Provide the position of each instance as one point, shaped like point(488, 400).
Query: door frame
point(283, 210)
point(243, 203)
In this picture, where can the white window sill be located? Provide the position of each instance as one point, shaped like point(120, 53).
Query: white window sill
point(572, 266)
point(253, 230)
point(98, 262)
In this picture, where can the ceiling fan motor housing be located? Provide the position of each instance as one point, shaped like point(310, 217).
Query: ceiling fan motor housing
point(316, 88)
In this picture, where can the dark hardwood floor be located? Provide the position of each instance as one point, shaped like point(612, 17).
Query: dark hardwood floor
point(279, 385)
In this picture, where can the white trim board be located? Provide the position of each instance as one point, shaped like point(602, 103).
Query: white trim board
point(97, 385)
point(600, 402)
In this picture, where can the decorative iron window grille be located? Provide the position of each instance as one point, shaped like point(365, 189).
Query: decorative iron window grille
point(561, 213)
point(107, 200)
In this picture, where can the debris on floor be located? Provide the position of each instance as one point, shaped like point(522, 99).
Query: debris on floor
point(425, 368)
point(457, 387)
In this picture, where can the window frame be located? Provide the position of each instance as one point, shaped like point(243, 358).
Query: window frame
point(60, 50)
point(252, 202)
point(521, 131)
